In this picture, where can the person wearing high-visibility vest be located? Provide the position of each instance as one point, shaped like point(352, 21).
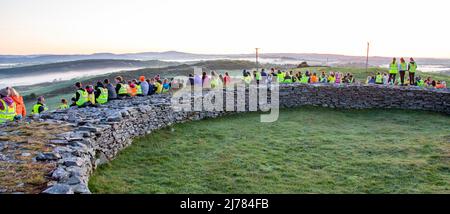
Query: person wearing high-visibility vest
point(39, 107)
point(63, 105)
point(288, 78)
point(138, 88)
point(215, 80)
point(247, 78)
point(331, 78)
point(7, 107)
point(393, 71)
point(91, 95)
point(403, 68)
point(121, 88)
point(258, 76)
point(412, 67)
point(379, 79)
point(81, 98)
point(304, 79)
point(101, 93)
point(280, 76)
point(158, 86)
point(420, 82)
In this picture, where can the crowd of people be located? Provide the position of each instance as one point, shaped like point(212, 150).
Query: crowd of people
point(215, 80)
point(12, 105)
point(401, 69)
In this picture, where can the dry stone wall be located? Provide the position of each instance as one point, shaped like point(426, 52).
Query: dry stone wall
point(101, 133)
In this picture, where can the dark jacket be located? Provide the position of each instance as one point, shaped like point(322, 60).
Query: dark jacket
point(111, 91)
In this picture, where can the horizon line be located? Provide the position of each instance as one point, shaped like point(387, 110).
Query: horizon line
point(212, 54)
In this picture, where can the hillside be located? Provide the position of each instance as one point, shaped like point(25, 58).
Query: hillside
point(20, 60)
point(80, 66)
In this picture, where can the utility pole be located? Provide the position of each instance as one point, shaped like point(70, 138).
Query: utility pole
point(367, 58)
point(257, 63)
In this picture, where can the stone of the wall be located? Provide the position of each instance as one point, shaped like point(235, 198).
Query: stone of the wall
point(102, 132)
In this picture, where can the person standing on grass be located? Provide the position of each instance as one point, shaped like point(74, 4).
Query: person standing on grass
point(206, 80)
point(412, 67)
point(393, 71)
point(403, 68)
point(20, 105)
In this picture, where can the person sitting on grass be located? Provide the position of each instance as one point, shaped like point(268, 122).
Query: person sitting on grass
point(7, 107)
point(158, 86)
point(337, 78)
point(101, 93)
point(166, 86)
point(287, 78)
point(323, 77)
point(138, 88)
point(440, 84)
point(81, 98)
point(112, 95)
point(121, 88)
point(385, 79)
point(20, 105)
point(314, 78)
point(39, 107)
point(132, 90)
point(331, 78)
point(144, 85)
point(63, 105)
point(151, 86)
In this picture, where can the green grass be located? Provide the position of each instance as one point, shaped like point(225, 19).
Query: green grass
point(51, 102)
point(309, 150)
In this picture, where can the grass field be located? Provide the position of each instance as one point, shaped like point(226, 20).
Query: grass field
point(309, 150)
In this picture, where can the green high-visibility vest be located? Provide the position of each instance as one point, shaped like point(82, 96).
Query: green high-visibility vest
point(412, 67)
point(8, 113)
point(379, 79)
point(63, 106)
point(280, 77)
point(304, 79)
point(103, 97)
point(393, 68)
point(403, 66)
point(123, 89)
point(36, 107)
point(83, 97)
point(214, 82)
point(258, 75)
point(420, 83)
point(287, 80)
point(139, 90)
point(247, 79)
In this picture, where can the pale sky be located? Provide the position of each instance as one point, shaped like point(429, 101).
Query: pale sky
point(394, 27)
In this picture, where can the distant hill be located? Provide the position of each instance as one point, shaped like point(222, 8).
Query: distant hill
point(332, 59)
point(81, 65)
